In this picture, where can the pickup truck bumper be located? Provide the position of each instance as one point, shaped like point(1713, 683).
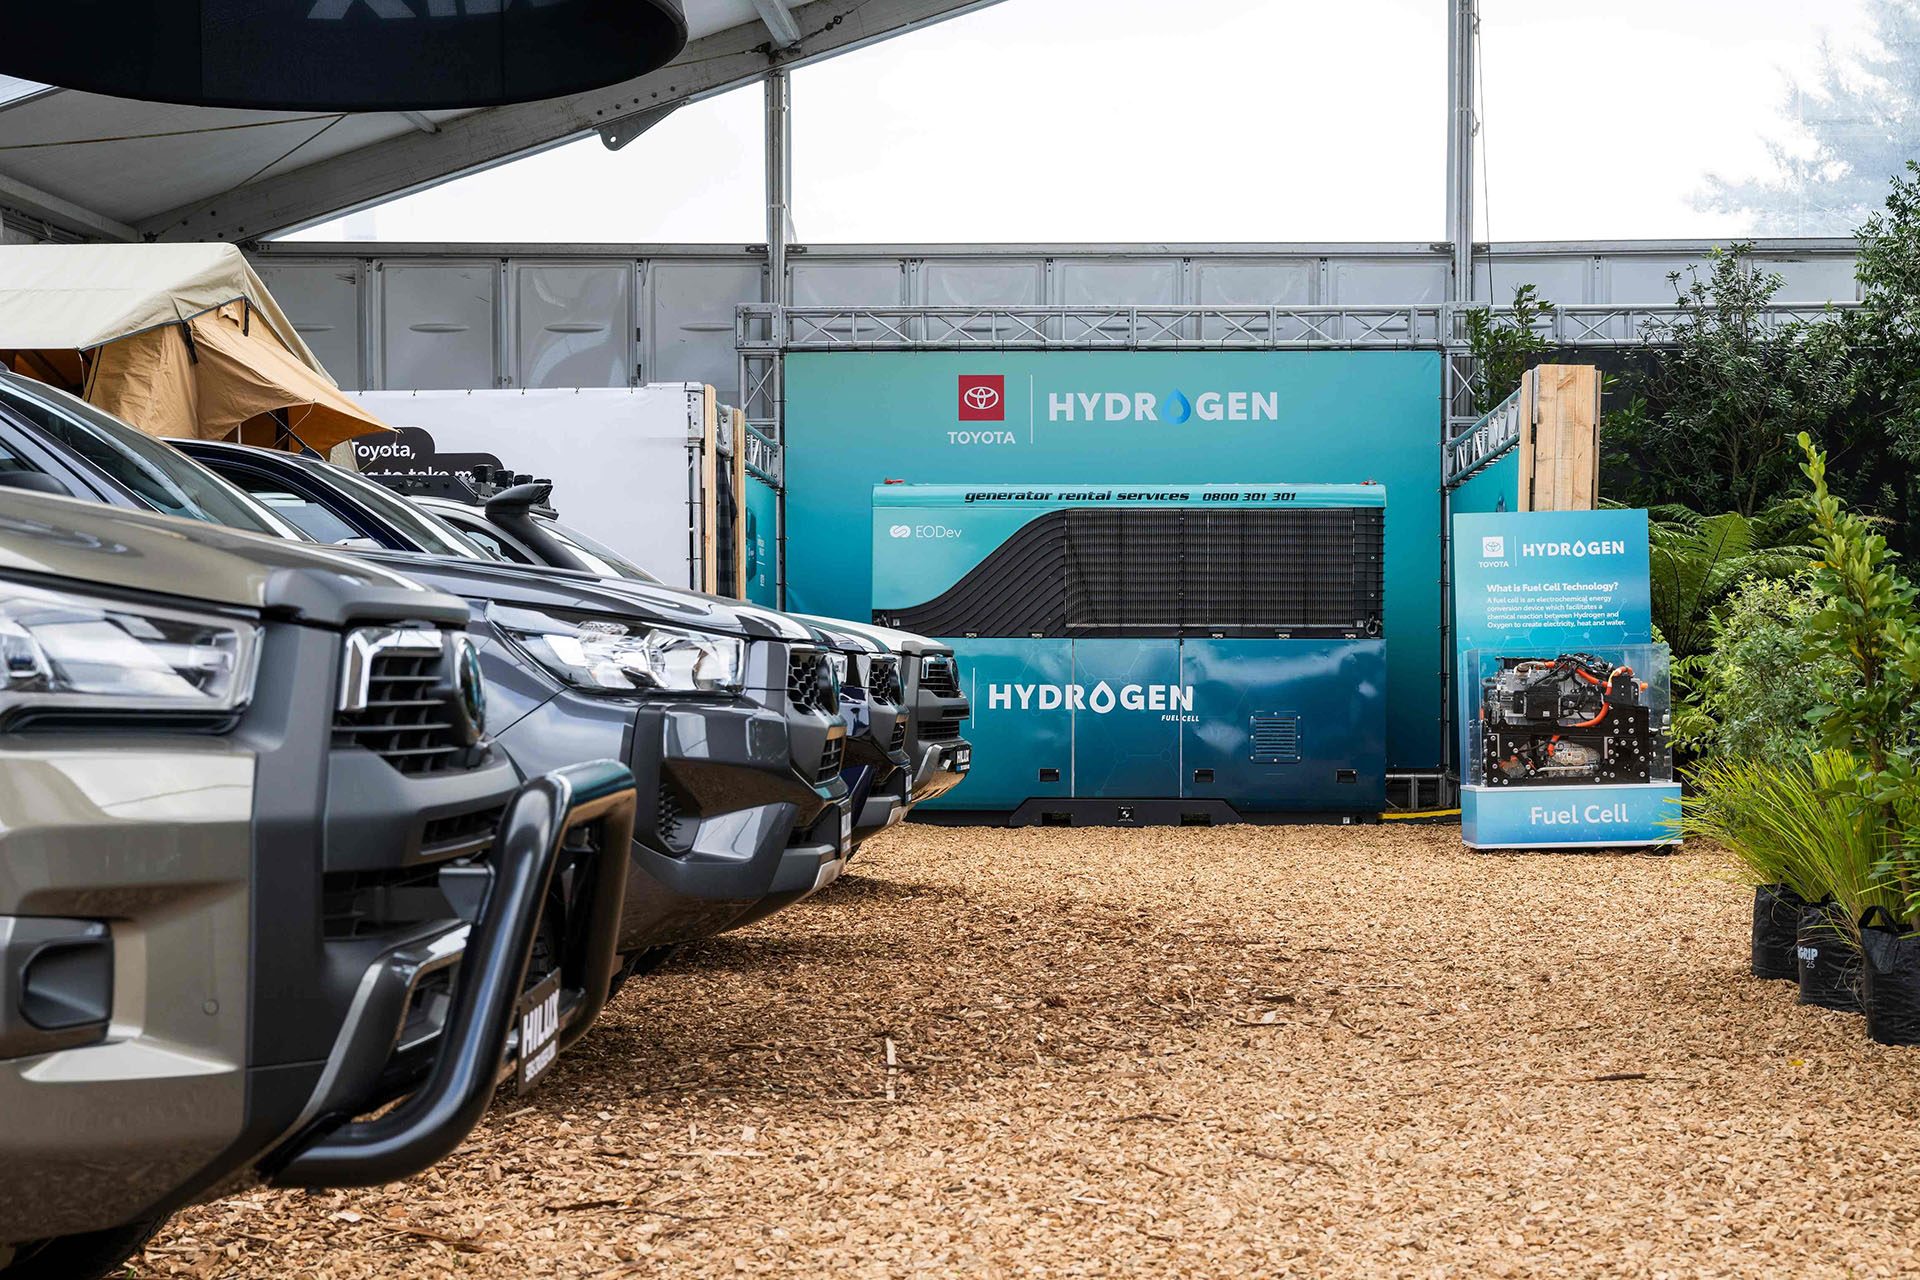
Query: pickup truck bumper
point(126, 1075)
point(725, 818)
point(885, 805)
point(478, 1040)
point(940, 767)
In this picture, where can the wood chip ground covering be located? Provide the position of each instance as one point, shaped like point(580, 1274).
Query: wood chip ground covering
point(1242, 1051)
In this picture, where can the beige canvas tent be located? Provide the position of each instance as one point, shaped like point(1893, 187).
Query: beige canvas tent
point(178, 339)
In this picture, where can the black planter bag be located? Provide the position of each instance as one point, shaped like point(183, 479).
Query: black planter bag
point(1890, 979)
point(1829, 962)
point(1776, 932)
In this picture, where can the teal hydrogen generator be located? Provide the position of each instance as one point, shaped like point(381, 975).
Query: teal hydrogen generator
point(1184, 655)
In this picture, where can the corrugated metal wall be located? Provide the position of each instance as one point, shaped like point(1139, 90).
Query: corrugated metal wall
point(422, 317)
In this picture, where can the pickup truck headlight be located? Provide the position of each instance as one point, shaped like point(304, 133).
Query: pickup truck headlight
point(601, 655)
point(64, 652)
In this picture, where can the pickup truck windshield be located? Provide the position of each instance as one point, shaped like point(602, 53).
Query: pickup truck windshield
point(599, 558)
point(427, 532)
point(161, 477)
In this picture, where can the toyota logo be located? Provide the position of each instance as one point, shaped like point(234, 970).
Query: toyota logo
point(469, 689)
point(826, 685)
point(982, 399)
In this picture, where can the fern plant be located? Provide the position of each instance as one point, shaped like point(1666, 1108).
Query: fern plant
point(1697, 561)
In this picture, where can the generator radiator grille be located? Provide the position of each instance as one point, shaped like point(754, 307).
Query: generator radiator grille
point(1276, 738)
point(1303, 572)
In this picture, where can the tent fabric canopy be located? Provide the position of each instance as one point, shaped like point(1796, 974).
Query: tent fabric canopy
point(177, 339)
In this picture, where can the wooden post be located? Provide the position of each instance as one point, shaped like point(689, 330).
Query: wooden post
point(1560, 438)
point(709, 496)
point(739, 419)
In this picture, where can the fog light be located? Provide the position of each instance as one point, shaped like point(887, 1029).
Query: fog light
point(56, 984)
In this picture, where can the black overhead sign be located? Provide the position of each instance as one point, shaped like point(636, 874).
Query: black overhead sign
point(339, 55)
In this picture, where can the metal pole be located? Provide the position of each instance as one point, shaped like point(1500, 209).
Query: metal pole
point(779, 182)
point(779, 148)
point(1463, 24)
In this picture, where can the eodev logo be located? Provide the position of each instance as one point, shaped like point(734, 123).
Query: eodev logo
point(901, 531)
point(983, 398)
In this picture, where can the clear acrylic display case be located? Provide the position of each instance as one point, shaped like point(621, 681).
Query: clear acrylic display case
point(1597, 716)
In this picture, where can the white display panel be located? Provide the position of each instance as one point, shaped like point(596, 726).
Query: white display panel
point(620, 458)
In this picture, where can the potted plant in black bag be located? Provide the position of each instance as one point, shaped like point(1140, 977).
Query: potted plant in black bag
point(1811, 854)
point(1868, 621)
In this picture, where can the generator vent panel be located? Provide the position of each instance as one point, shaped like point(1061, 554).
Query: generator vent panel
point(1276, 738)
point(1172, 572)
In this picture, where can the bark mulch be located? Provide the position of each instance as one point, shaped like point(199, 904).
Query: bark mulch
point(1244, 1051)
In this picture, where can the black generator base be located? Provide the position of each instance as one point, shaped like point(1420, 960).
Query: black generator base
point(1131, 813)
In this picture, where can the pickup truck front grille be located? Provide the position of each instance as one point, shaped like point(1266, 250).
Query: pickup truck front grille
point(463, 835)
point(393, 700)
point(940, 676)
point(356, 904)
point(806, 684)
point(831, 760)
point(944, 730)
point(883, 680)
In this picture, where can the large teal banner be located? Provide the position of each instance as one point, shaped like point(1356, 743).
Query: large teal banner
point(762, 515)
point(858, 419)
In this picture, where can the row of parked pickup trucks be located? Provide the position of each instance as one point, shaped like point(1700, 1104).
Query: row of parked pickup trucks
point(324, 813)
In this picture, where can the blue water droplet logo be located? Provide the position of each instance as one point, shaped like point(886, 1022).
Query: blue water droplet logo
point(1179, 408)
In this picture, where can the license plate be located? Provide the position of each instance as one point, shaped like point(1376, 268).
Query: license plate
point(539, 1031)
point(846, 831)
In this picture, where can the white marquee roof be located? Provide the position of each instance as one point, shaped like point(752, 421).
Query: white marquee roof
point(110, 168)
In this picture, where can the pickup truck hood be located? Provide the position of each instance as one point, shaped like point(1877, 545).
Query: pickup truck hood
point(88, 543)
point(532, 587)
point(904, 643)
point(835, 635)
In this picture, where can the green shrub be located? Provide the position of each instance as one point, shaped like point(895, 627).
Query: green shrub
point(1757, 690)
point(1867, 622)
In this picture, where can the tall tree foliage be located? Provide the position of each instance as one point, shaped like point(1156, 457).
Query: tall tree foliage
point(1859, 119)
point(1714, 414)
point(1506, 346)
point(1876, 446)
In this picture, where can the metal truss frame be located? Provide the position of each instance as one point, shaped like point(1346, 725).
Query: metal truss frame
point(1476, 448)
point(777, 330)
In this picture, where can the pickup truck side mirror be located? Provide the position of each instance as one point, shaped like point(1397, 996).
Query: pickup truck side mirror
point(34, 482)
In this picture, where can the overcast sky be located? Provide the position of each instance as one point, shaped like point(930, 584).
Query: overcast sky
point(1244, 120)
